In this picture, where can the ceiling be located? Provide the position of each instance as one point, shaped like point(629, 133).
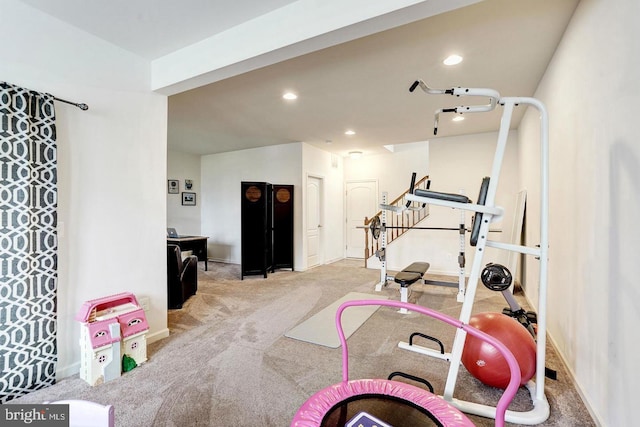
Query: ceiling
point(360, 85)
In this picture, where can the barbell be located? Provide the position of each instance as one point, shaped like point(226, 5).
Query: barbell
point(376, 227)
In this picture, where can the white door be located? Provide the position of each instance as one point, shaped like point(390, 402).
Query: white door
point(362, 201)
point(314, 220)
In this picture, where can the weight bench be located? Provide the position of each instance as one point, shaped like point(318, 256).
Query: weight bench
point(407, 277)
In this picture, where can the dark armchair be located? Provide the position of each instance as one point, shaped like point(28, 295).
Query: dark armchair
point(182, 276)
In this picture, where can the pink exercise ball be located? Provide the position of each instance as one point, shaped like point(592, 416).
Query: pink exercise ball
point(483, 360)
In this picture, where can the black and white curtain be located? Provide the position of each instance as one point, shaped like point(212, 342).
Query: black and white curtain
point(28, 241)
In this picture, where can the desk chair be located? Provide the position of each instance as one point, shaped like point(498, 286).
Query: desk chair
point(182, 276)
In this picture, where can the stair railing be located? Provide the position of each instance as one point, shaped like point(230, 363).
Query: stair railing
point(397, 225)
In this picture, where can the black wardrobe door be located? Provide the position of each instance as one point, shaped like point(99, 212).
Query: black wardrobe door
point(283, 226)
point(254, 217)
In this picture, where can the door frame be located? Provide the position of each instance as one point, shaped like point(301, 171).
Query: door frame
point(321, 213)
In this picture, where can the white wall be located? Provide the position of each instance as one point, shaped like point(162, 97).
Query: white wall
point(591, 89)
point(111, 166)
point(281, 164)
point(330, 168)
point(185, 219)
point(392, 170)
point(221, 178)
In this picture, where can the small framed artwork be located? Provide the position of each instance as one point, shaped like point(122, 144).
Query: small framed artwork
point(188, 183)
point(188, 199)
point(173, 186)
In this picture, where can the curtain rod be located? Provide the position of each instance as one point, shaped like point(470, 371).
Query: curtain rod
point(83, 107)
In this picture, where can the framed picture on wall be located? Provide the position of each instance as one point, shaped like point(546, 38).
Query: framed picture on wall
point(188, 184)
point(188, 199)
point(173, 186)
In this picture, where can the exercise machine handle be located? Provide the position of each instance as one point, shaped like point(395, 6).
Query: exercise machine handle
point(428, 89)
point(493, 95)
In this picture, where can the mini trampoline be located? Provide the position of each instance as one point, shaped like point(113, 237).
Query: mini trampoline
point(392, 402)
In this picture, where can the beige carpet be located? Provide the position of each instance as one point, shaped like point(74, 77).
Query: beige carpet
point(227, 362)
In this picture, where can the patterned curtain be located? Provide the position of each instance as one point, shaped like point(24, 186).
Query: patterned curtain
point(28, 241)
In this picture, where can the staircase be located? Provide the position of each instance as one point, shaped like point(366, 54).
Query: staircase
point(405, 221)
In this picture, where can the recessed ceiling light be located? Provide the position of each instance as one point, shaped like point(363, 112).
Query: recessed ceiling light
point(355, 154)
point(290, 96)
point(457, 119)
point(452, 60)
point(350, 132)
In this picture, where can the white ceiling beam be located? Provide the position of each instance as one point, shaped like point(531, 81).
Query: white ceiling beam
point(293, 30)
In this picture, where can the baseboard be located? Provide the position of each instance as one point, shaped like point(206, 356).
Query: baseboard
point(572, 376)
point(67, 371)
point(331, 261)
point(157, 336)
point(451, 273)
point(222, 261)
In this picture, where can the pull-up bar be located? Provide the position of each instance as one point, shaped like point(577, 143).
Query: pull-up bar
point(493, 95)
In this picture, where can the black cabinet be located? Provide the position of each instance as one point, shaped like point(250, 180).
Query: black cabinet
point(267, 227)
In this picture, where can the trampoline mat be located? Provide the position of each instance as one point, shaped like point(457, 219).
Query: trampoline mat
point(392, 410)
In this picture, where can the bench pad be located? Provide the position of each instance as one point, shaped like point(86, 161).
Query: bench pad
point(406, 278)
point(460, 198)
point(417, 267)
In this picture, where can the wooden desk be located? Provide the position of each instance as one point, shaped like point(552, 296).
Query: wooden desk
point(196, 244)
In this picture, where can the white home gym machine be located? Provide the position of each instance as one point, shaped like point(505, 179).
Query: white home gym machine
point(485, 212)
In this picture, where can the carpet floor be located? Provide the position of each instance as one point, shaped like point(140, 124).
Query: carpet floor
point(228, 363)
